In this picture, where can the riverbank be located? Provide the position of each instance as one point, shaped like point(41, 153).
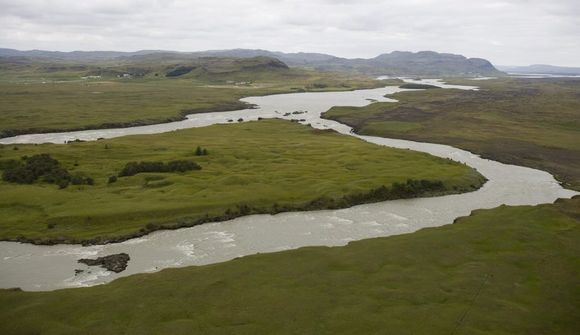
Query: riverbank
point(120, 103)
point(510, 270)
point(529, 122)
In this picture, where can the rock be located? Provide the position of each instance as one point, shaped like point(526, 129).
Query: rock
point(116, 263)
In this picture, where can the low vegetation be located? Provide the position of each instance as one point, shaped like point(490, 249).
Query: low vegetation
point(418, 86)
point(509, 270)
point(263, 166)
point(530, 122)
point(133, 168)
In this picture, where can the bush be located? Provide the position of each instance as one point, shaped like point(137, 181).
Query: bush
point(201, 151)
point(112, 179)
point(43, 167)
point(410, 189)
point(18, 174)
point(133, 168)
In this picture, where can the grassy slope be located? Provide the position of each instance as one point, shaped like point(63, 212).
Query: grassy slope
point(65, 102)
point(510, 270)
point(259, 164)
point(526, 122)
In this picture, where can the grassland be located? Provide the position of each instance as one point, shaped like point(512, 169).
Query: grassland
point(531, 122)
point(510, 270)
point(268, 166)
point(40, 97)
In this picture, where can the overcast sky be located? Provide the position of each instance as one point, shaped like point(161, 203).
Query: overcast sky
point(509, 32)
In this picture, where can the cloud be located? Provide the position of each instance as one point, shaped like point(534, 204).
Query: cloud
point(504, 31)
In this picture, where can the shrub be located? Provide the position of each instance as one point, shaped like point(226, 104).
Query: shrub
point(133, 168)
point(410, 189)
point(112, 179)
point(201, 151)
point(18, 174)
point(43, 167)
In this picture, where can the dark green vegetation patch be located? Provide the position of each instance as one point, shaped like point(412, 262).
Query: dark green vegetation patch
point(133, 168)
point(40, 167)
point(418, 86)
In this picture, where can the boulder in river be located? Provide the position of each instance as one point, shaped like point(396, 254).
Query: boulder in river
point(116, 263)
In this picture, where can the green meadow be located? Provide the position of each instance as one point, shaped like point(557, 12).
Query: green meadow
point(257, 167)
point(40, 97)
point(509, 270)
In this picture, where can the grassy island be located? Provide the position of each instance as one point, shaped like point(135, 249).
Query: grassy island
point(149, 182)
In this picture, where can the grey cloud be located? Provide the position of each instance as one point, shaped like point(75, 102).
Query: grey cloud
point(506, 32)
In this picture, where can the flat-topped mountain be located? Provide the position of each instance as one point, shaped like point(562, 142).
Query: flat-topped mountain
point(395, 63)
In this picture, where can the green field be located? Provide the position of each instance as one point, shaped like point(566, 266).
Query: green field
point(531, 122)
point(268, 165)
point(510, 270)
point(51, 97)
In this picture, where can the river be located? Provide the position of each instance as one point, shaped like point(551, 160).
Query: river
point(41, 268)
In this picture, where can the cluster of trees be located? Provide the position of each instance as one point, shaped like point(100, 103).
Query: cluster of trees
point(133, 168)
point(201, 151)
point(41, 167)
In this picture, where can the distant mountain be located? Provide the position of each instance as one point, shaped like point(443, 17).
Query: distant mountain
point(72, 55)
point(541, 68)
point(420, 64)
point(395, 63)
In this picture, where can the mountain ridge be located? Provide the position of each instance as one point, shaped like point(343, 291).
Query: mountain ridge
point(394, 63)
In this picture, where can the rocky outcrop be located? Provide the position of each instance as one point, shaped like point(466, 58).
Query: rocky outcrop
point(116, 263)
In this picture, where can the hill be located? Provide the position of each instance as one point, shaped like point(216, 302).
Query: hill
point(157, 64)
point(422, 63)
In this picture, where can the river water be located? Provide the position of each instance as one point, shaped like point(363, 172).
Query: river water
point(38, 268)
